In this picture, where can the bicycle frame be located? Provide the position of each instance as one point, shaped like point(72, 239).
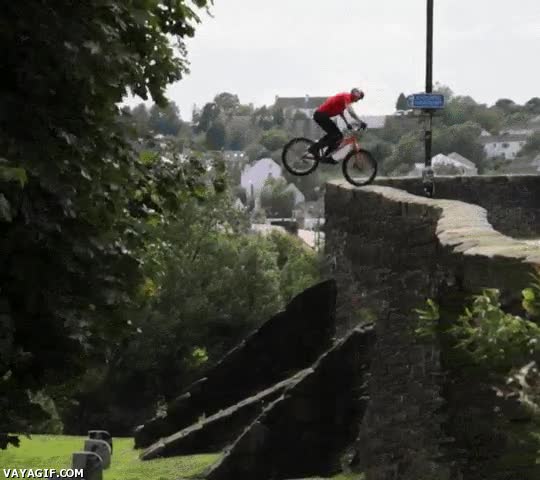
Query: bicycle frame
point(348, 139)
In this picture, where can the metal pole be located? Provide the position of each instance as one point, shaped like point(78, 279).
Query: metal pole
point(428, 172)
point(429, 48)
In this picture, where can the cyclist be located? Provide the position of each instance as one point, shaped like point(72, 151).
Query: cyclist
point(333, 107)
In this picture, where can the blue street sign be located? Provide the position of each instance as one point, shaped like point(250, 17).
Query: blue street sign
point(426, 101)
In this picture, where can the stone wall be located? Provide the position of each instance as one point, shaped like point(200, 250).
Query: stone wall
point(512, 201)
point(390, 251)
point(308, 429)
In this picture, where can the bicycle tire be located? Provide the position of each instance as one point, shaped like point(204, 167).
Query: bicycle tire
point(287, 163)
point(349, 177)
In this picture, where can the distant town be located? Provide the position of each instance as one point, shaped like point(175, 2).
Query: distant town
point(469, 139)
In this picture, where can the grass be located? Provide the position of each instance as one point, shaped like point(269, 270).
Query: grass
point(54, 451)
point(44, 451)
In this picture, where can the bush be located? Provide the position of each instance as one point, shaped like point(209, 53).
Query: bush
point(276, 201)
point(274, 139)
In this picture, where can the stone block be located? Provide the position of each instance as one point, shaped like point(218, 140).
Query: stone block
point(90, 463)
point(281, 443)
point(214, 433)
point(101, 435)
point(102, 448)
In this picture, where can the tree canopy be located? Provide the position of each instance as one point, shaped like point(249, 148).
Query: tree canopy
point(74, 197)
point(401, 103)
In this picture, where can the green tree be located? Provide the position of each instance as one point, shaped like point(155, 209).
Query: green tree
point(165, 120)
point(263, 118)
point(459, 110)
point(274, 139)
point(491, 119)
point(396, 127)
point(506, 105)
point(236, 138)
point(533, 106)
point(140, 117)
point(69, 270)
point(463, 139)
point(216, 135)
point(209, 282)
point(206, 118)
point(532, 146)
point(407, 152)
point(256, 151)
point(276, 201)
point(279, 117)
point(401, 103)
point(227, 103)
point(299, 266)
point(245, 110)
point(444, 90)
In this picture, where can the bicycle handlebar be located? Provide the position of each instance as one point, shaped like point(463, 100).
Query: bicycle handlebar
point(356, 128)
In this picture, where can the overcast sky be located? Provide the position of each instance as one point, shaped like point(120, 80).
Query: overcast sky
point(258, 49)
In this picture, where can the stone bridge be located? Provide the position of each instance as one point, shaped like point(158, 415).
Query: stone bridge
point(391, 249)
point(335, 383)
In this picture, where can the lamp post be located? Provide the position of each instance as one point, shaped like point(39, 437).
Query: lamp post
point(427, 174)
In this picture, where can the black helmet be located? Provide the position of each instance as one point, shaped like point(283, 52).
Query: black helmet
point(356, 92)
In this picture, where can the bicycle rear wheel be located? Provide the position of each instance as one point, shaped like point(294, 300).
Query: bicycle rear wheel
point(296, 158)
point(359, 168)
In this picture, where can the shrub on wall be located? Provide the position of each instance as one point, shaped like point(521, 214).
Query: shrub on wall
point(492, 383)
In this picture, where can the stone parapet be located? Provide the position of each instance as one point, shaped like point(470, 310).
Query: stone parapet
point(390, 251)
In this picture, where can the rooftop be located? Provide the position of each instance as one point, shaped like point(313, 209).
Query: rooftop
point(299, 102)
point(504, 138)
point(461, 159)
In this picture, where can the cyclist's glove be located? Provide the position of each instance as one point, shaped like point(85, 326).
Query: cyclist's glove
point(363, 125)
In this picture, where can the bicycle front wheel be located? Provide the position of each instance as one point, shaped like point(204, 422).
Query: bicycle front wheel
point(359, 168)
point(296, 158)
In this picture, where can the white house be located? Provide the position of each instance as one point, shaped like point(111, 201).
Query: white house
point(298, 195)
point(455, 160)
point(507, 146)
point(254, 176)
point(518, 131)
point(468, 167)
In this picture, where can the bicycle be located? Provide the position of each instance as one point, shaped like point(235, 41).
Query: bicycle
point(359, 167)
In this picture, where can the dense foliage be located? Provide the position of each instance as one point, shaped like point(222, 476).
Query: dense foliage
point(489, 335)
point(276, 200)
point(72, 192)
point(490, 352)
point(125, 267)
point(208, 282)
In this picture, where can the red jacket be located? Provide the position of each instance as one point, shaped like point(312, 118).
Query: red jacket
point(336, 105)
